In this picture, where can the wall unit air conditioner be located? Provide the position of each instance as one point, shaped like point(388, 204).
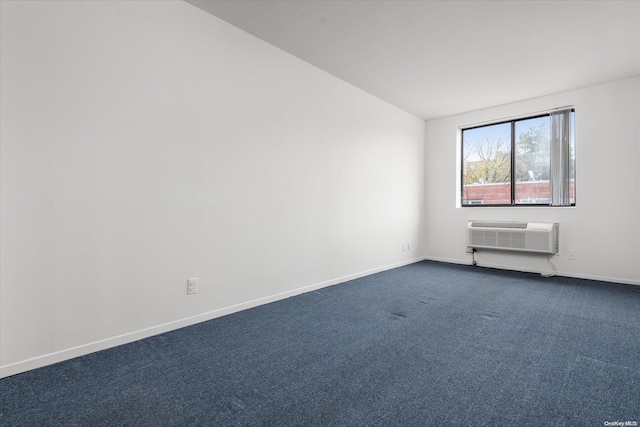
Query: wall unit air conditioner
point(540, 237)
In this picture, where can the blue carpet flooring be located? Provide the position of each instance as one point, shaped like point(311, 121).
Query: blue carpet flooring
point(426, 344)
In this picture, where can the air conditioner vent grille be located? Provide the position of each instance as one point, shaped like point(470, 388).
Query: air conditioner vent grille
point(511, 236)
point(489, 224)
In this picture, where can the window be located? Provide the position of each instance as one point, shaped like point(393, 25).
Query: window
point(524, 162)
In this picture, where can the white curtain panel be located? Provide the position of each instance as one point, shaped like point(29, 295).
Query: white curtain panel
point(560, 158)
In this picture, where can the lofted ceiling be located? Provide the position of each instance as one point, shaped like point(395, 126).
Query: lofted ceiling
point(437, 58)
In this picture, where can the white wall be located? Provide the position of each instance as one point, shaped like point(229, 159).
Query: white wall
point(147, 142)
point(604, 226)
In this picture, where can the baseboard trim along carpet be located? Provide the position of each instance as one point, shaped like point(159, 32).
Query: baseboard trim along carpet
point(531, 270)
point(70, 353)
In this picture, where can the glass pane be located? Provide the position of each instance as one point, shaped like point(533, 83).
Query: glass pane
point(486, 165)
point(533, 161)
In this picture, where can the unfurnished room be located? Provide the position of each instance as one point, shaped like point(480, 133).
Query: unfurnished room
point(319, 213)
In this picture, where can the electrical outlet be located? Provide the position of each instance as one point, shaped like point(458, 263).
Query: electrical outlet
point(192, 286)
point(408, 246)
point(572, 255)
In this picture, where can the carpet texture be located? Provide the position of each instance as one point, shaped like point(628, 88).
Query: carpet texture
point(425, 344)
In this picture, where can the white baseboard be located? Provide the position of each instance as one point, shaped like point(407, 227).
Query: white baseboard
point(528, 270)
point(70, 353)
